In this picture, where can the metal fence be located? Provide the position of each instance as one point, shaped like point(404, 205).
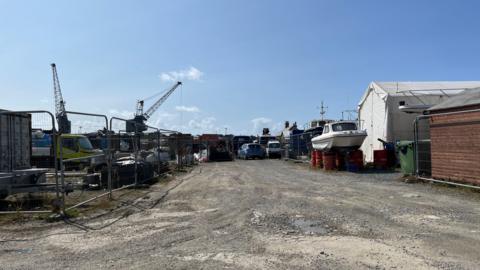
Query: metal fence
point(99, 157)
point(23, 180)
point(299, 146)
point(423, 159)
point(77, 154)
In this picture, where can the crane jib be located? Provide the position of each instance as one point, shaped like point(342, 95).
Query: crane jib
point(64, 125)
point(159, 102)
point(137, 124)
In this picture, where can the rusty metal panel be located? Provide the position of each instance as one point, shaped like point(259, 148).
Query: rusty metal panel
point(15, 141)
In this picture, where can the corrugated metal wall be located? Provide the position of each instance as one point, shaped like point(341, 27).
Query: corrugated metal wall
point(373, 118)
point(380, 116)
point(15, 142)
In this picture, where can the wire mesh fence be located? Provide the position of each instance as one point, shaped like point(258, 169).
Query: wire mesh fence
point(21, 175)
point(299, 146)
point(423, 158)
point(213, 147)
point(96, 158)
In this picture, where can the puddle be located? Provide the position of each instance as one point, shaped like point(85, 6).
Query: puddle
point(310, 226)
point(20, 251)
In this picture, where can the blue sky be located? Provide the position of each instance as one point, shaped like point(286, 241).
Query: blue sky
point(245, 64)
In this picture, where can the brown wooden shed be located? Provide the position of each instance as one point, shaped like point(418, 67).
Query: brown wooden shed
point(455, 138)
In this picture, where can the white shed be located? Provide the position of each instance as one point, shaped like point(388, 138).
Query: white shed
point(379, 113)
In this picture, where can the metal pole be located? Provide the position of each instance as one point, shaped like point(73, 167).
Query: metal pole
point(55, 161)
point(109, 157)
point(179, 160)
point(26, 212)
point(99, 196)
point(298, 146)
point(158, 151)
point(109, 171)
point(62, 172)
point(448, 183)
point(135, 157)
point(415, 148)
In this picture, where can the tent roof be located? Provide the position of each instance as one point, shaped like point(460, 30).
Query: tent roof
point(419, 88)
point(466, 98)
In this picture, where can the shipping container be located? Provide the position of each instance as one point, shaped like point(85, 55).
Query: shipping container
point(15, 142)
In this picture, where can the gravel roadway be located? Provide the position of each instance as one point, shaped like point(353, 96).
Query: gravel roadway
point(263, 214)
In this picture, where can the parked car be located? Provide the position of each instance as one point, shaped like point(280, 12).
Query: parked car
point(264, 139)
point(238, 141)
point(251, 150)
point(274, 149)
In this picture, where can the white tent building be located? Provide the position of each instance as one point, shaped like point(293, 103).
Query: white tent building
point(379, 113)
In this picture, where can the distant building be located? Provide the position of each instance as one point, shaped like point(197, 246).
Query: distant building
point(293, 140)
point(379, 113)
point(455, 138)
point(288, 131)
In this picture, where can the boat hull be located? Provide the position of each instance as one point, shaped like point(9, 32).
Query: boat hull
point(338, 141)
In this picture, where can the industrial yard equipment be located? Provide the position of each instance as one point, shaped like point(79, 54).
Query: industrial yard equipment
point(64, 125)
point(137, 124)
point(73, 146)
point(16, 173)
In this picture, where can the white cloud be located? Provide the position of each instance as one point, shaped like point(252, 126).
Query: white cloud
point(194, 122)
point(205, 124)
point(260, 122)
point(263, 122)
point(87, 126)
point(187, 109)
point(121, 114)
point(119, 124)
point(276, 128)
point(164, 120)
point(191, 74)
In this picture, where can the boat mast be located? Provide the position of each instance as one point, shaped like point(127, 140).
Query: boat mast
point(322, 111)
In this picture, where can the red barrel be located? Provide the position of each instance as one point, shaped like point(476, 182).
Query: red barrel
point(356, 158)
point(314, 157)
point(329, 161)
point(319, 159)
point(380, 158)
point(339, 160)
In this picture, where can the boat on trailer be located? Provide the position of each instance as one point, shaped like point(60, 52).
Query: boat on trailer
point(339, 135)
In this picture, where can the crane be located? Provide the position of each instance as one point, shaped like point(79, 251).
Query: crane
point(64, 125)
point(137, 124)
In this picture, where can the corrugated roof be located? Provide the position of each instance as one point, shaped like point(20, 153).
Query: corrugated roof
point(466, 98)
point(396, 87)
point(420, 88)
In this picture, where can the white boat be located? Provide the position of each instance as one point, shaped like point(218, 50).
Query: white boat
point(339, 135)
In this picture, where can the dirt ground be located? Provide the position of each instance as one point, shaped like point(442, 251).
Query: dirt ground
point(267, 214)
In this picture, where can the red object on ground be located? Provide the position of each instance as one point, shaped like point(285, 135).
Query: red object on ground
point(319, 159)
point(313, 161)
point(380, 158)
point(356, 158)
point(329, 161)
point(209, 137)
point(339, 160)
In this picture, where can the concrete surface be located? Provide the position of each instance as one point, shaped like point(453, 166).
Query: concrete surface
point(263, 214)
